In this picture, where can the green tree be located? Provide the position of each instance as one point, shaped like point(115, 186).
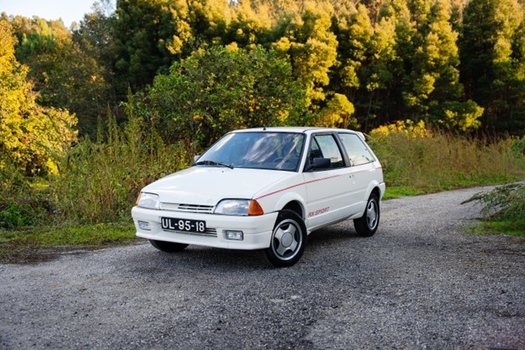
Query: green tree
point(354, 32)
point(425, 71)
point(152, 34)
point(377, 102)
point(220, 89)
point(249, 26)
point(66, 74)
point(337, 113)
point(434, 91)
point(95, 40)
point(142, 30)
point(306, 39)
point(31, 136)
point(491, 52)
point(364, 52)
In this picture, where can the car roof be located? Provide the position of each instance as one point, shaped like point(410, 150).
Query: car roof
point(297, 129)
point(300, 129)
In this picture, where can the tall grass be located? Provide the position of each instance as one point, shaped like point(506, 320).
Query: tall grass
point(99, 180)
point(432, 160)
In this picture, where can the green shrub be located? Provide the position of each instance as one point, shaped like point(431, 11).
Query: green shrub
point(503, 209)
point(22, 200)
point(503, 203)
point(11, 216)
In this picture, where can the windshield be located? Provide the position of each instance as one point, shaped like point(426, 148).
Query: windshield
point(258, 150)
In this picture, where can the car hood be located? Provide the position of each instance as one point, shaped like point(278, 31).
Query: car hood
point(208, 185)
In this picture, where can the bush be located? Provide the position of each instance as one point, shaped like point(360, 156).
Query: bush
point(518, 147)
point(503, 209)
point(11, 216)
point(221, 89)
point(22, 202)
point(504, 203)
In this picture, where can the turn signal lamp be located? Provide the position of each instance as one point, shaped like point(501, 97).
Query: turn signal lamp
point(255, 208)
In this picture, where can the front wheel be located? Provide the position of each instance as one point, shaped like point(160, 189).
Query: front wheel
point(367, 224)
point(288, 240)
point(168, 247)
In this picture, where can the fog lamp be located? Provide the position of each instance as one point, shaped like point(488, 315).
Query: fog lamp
point(144, 225)
point(234, 235)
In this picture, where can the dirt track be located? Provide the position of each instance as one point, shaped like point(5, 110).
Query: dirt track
point(419, 283)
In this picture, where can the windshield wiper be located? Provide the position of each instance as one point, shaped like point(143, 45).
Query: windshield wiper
point(212, 162)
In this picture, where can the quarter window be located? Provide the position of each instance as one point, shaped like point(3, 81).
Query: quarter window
point(356, 149)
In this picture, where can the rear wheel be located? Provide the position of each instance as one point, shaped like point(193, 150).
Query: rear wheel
point(367, 225)
point(168, 247)
point(288, 240)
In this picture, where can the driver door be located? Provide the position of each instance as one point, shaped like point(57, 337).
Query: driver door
point(328, 189)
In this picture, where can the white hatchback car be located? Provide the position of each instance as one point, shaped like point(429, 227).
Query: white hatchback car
point(265, 189)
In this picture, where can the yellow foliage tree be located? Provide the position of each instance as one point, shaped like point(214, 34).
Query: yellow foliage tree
point(30, 136)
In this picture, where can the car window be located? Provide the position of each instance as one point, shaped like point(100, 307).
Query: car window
point(356, 149)
point(261, 150)
point(325, 146)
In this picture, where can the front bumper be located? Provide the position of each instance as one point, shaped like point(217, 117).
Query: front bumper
point(257, 230)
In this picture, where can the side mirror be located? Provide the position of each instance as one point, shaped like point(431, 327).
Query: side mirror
point(319, 163)
point(196, 158)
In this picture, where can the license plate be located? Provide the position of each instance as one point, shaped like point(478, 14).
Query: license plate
point(184, 225)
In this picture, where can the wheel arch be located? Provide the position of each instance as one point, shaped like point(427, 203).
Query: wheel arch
point(376, 188)
point(292, 202)
point(377, 192)
point(296, 207)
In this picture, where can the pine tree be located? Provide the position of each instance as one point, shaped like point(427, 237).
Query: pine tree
point(491, 61)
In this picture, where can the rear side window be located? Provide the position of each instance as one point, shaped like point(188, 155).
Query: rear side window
point(356, 149)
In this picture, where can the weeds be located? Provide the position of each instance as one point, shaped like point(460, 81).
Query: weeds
point(99, 181)
point(503, 208)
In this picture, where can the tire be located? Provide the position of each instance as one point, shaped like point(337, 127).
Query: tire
point(366, 226)
point(288, 240)
point(168, 247)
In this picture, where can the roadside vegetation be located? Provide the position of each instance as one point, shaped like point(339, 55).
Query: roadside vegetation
point(87, 204)
point(503, 210)
point(90, 114)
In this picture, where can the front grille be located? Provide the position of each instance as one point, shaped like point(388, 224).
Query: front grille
point(187, 208)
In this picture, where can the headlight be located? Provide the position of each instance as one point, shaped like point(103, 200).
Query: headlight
point(233, 207)
point(240, 207)
point(148, 200)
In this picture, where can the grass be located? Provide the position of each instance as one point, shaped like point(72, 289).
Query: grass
point(402, 191)
point(41, 244)
point(504, 227)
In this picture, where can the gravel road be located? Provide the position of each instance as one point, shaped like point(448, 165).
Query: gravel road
point(419, 283)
